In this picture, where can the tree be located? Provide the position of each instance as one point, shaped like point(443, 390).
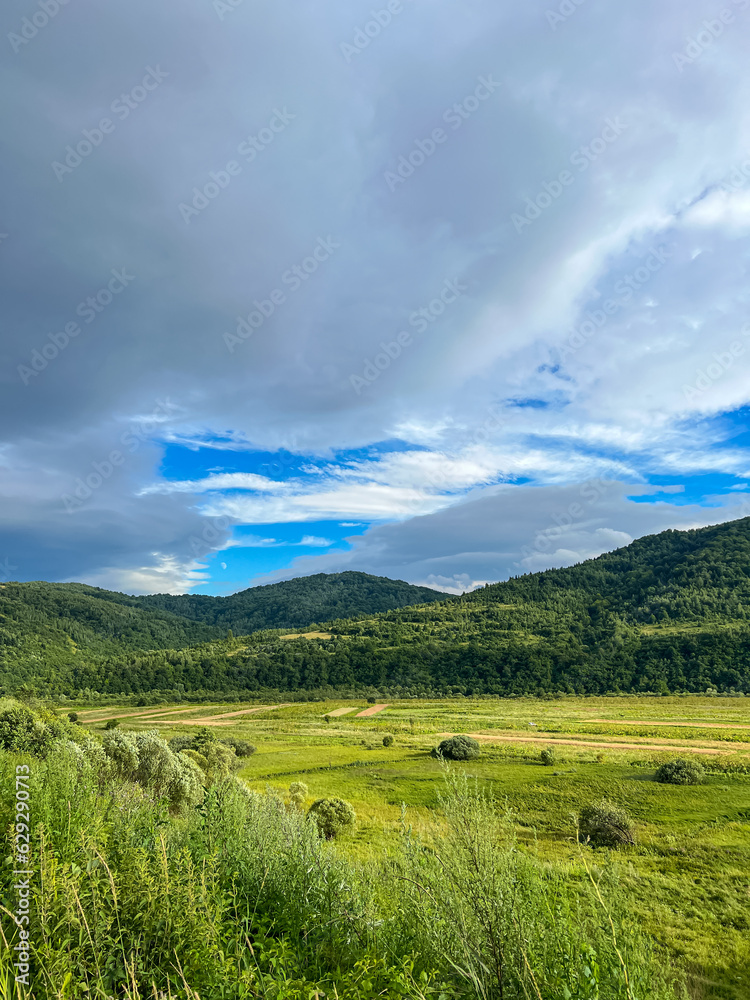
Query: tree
point(458, 748)
point(332, 816)
point(604, 824)
point(681, 772)
point(387, 741)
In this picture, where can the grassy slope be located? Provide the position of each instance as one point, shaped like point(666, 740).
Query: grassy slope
point(687, 879)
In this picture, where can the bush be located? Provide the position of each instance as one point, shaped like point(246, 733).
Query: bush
point(458, 748)
point(243, 748)
point(331, 816)
point(547, 756)
point(73, 716)
point(112, 724)
point(23, 730)
point(604, 824)
point(204, 738)
point(147, 759)
point(387, 741)
point(681, 772)
point(297, 795)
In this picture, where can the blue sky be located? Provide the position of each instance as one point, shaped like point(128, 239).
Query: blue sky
point(467, 301)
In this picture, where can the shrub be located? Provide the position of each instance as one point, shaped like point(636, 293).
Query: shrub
point(458, 748)
point(243, 748)
point(605, 825)
point(23, 730)
point(681, 772)
point(331, 816)
point(112, 724)
point(122, 750)
point(387, 741)
point(73, 716)
point(547, 756)
point(297, 794)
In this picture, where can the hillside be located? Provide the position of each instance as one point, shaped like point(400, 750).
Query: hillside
point(701, 575)
point(294, 603)
point(53, 631)
point(668, 613)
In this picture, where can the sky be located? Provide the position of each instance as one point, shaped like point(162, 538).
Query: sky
point(440, 290)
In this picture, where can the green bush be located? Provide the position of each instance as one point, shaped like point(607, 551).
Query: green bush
point(73, 716)
point(458, 748)
point(387, 741)
point(332, 816)
point(112, 724)
point(243, 748)
point(681, 772)
point(604, 824)
point(547, 756)
point(24, 730)
point(297, 794)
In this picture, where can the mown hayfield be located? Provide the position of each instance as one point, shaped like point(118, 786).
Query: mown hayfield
point(689, 875)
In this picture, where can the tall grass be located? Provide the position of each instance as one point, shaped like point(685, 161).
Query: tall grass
point(239, 898)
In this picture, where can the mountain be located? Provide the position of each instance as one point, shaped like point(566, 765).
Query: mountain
point(667, 613)
point(294, 603)
point(53, 631)
point(702, 575)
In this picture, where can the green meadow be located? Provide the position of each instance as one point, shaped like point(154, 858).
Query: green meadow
point(686, 880)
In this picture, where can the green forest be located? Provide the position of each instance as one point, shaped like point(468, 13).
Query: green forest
point(669, 613)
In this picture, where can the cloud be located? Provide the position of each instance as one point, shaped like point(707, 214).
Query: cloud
point(508, 531)
point(612, 309)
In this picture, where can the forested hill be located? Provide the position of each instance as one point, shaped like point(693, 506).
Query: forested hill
point(48, 629)
point(668, 613)
point(702, 575)
point(294, 603)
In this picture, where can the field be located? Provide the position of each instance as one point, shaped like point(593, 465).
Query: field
point(687, 877)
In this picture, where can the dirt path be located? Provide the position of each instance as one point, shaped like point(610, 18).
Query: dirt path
point(214, 720)
point(139, 715)
point(688, 725)
point(599, 746)
point(341, 711)
point(372, 710)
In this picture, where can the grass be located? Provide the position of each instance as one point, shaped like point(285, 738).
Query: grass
point(686, 881)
